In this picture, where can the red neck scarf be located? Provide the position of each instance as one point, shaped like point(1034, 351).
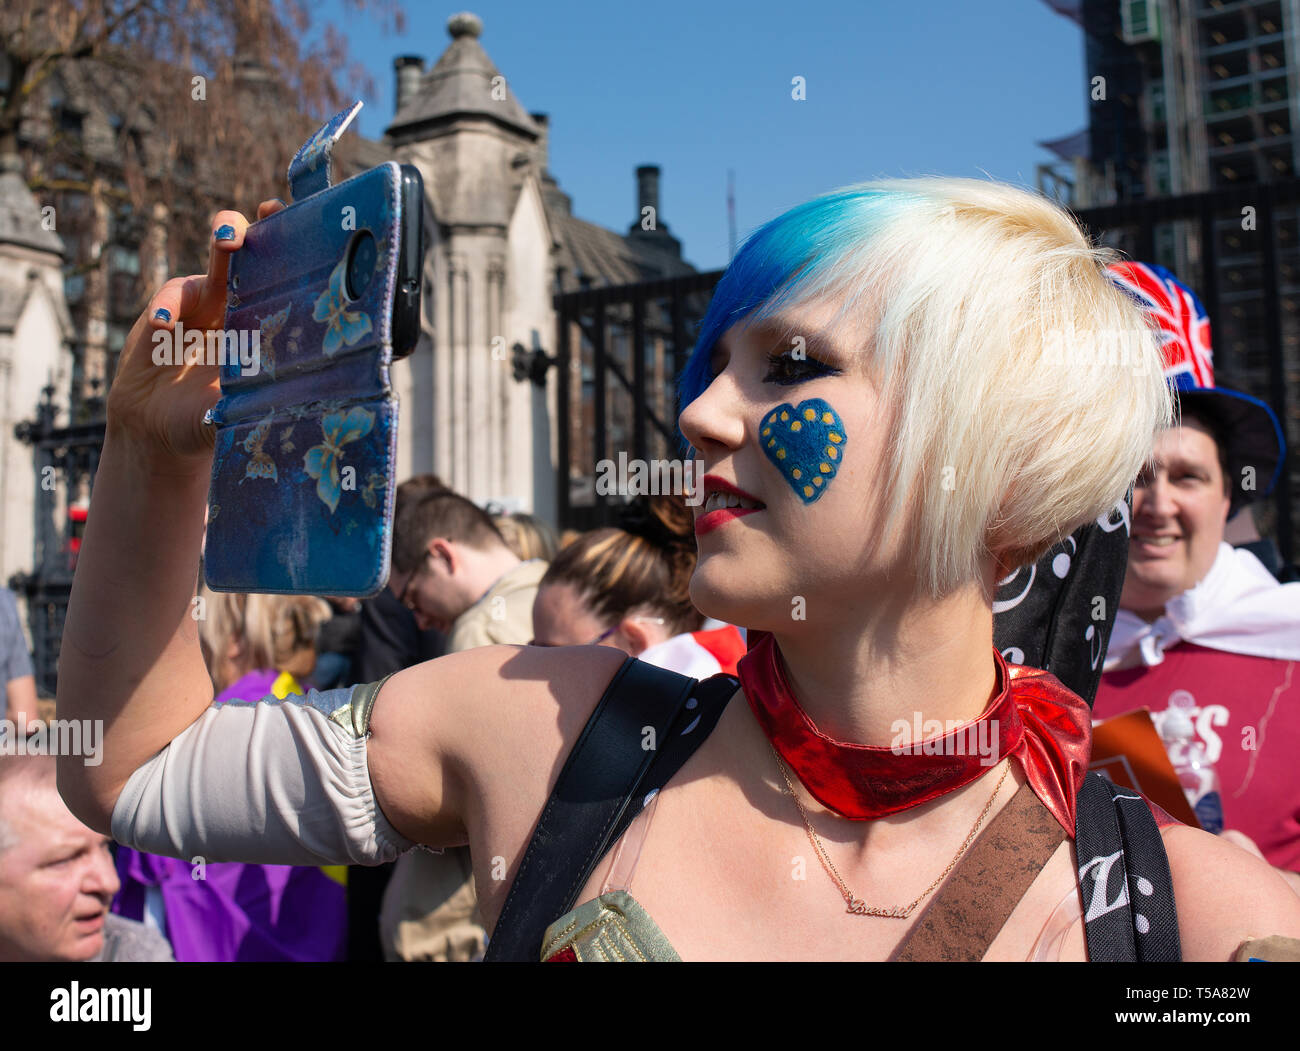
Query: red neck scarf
point(1033, 718)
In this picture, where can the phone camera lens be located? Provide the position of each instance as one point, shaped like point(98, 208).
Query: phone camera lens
point(362, 252)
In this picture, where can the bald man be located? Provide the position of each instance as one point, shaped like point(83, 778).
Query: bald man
point(57, 878)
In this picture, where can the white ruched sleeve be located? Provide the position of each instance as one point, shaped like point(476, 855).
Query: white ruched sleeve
point(276, 782)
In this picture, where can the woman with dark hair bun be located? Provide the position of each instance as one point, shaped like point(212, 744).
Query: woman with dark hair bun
point(629, 587)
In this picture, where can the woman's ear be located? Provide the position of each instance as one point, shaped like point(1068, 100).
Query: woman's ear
point(638, 638)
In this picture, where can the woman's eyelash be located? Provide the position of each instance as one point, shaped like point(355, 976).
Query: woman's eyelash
point(785, 368)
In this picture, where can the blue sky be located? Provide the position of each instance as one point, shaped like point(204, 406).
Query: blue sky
point(953, 87)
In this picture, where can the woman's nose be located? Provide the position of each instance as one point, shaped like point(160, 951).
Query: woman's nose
point(714, 418)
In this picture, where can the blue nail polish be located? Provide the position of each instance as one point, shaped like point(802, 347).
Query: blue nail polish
point(225, 233)
point(162, 314)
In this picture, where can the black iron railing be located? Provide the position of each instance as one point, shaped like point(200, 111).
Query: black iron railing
point(621, 349)
point(65, 460)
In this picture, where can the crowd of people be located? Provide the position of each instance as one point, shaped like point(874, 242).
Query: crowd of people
point(461, 578)
point(1203, 628)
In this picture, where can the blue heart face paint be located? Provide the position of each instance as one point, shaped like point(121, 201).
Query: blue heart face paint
point(806, 442)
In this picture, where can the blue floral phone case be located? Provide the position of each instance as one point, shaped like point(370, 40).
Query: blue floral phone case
point(303, 484)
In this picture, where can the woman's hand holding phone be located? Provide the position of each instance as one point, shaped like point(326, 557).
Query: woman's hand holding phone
point(130, 654)
point(160, 407)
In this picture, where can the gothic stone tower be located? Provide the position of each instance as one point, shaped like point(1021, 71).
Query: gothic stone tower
point(488, 280)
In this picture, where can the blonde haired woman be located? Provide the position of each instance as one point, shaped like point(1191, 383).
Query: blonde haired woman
point(905, 329)
point(256, 645)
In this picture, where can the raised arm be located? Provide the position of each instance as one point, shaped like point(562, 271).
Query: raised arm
point(130, 652)
point(464, 746)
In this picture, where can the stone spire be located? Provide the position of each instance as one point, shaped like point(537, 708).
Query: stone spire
point(463, 83)
point(21, 213)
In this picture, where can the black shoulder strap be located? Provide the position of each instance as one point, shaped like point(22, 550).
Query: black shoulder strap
point(647, 724)
point(1128, 892)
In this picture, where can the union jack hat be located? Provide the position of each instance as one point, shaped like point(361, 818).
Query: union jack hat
point(1246, 426)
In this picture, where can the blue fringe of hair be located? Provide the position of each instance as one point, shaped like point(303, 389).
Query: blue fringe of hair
point(807, 240)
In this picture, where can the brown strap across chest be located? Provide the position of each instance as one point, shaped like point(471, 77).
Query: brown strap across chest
point(973, 904)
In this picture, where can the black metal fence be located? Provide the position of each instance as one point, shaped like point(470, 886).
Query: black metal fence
point(621, 349)
point(65, 458)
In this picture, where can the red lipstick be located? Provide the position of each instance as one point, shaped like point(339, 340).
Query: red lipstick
point(711, 520)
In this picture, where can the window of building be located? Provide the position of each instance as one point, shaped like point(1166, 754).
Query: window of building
point(1228, 100)
point(74, 287)
point(1272, 56)
point(124, 259)
point(122, 295)
point(116, 338)
point(1156, 102)
point(1160, 176)
point(1224, 30)
point(1139, 21)
point(1273, 90)
point(1269, 18)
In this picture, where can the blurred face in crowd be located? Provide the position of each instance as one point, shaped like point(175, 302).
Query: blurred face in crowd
point(562, 618)
point(57, 878)
point(1180, 505)
point(441, 588)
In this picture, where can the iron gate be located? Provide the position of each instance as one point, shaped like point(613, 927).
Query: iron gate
point(66, 458)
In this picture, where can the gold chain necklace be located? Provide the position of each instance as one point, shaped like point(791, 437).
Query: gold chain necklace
point(855, 905)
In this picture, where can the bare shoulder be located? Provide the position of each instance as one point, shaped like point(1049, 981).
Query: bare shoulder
point(1225, 895)
point(453, 740)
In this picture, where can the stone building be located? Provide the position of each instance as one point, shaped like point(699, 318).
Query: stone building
point(36, 335)
point(500, 238)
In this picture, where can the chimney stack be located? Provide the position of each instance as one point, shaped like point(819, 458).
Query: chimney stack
point(410, 70)
point(647, 191)
point(542, 150)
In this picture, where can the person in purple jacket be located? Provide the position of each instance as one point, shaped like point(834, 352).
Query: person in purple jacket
point(213, 911)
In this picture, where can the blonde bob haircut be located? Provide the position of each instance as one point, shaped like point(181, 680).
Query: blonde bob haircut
point(1025, 388)
point(273, 631)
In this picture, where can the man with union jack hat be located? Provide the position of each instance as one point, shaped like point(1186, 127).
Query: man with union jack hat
point(1204, 627)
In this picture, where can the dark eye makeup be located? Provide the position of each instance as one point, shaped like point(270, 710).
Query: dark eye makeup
point(787, 369)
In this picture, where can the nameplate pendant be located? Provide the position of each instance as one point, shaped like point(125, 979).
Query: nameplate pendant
point(858, 907)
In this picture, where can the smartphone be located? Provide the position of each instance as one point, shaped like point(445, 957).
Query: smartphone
point(323, 296)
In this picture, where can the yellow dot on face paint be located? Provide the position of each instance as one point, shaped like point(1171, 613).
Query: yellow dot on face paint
point(817, 481)
point(807, 490)
point(810, 414)
point(772, 418)
point(825, 468)
point(835, 437)
point(797, 474)
point(831, 451)
point(796, 425)
point(767, 431)
point(784, 416)
point(827, 418)
point(780, 454)
point(771, 442)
